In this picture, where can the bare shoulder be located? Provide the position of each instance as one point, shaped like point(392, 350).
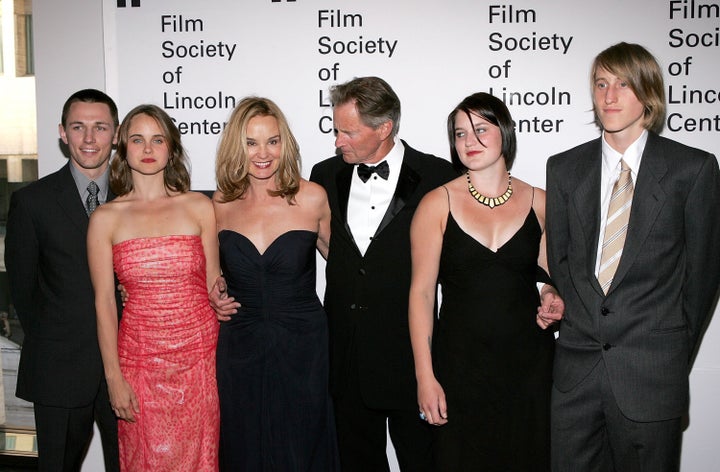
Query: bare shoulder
point(536, 194)
point(311, 193)
point(197, 200)
point(107, 216)
point(435, 202)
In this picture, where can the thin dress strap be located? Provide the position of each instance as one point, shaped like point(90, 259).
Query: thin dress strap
point(448, 197)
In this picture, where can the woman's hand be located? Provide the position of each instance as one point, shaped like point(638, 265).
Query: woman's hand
point(123, 400)
point(551, 308)
point(431, 400)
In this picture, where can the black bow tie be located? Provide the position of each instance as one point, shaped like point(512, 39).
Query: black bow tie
point(365, 171)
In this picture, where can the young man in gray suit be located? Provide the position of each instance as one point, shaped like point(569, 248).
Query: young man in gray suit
point(633, 222)
point(60, 368)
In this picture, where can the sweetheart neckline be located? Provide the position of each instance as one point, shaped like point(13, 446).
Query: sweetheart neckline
point(279, 236)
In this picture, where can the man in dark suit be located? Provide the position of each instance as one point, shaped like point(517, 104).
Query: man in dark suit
point(60, 367)
point(373, 188)
point(633, 223)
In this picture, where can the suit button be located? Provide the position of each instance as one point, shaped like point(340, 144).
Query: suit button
point(606, 346)
point(362, 272)
point(352, 307)
point(604, 311)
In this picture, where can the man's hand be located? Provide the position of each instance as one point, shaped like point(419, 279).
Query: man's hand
point(123, 293)
point(223, 305)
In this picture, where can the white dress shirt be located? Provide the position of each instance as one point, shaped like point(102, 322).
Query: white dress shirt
point(368, 201)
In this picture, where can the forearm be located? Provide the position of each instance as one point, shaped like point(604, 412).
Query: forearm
point(421, 323)
point(107, 329)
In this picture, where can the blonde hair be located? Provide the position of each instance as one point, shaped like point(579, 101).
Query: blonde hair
point(232, 163)
point(634, 64)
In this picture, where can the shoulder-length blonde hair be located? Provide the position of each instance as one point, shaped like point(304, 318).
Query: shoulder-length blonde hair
point(176, 175)
point(232, 163)
point(636, 65)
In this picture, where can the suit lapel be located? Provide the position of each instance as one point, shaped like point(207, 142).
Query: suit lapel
point(407, 183)
point(586, 200)
point(648, 199)
point(66, 196)
point(342, 186)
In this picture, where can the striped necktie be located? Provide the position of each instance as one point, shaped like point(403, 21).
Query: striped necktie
point(616, 226)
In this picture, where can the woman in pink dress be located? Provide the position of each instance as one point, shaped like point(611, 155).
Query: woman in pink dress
point(160, 240)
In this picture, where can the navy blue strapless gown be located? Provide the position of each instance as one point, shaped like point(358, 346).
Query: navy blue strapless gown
point(272, 359)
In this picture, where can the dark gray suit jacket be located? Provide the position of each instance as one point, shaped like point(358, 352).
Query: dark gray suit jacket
point(366, 297)
point(649, 324)
point(46, 259)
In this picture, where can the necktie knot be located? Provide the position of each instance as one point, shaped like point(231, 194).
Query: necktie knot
point(91, 203)
point(365, 171)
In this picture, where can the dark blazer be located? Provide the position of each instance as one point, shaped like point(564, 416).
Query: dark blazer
point(366, 298)
point(649, 324)
point(46, 259)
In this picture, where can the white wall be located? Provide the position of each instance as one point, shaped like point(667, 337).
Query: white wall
point(442, 56)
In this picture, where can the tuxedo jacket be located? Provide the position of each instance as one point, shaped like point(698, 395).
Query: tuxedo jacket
point(648, 325)
point(366, 297)
point(46, 260)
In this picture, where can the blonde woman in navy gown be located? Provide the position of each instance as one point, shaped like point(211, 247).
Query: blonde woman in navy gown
point(272, 354)
point(486, 381)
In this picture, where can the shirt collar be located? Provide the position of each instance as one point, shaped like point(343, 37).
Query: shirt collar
point(82, 181)
point(394, 157)
point(632, 156)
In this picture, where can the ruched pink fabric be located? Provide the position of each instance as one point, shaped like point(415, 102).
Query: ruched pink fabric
point(166, 342)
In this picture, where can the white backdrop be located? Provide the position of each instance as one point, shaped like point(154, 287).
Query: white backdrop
point(194, 58)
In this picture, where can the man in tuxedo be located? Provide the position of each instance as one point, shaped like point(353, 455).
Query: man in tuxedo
point(373, 187)
point(633, 222)
point(60, 367)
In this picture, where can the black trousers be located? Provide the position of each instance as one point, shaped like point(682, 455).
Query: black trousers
point(362, 434)
point(64, 434)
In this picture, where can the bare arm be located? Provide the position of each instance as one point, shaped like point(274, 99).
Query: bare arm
point(426, 236)
point(323, 242)
point(223, 305)
point(208, 234)
point(100, 260)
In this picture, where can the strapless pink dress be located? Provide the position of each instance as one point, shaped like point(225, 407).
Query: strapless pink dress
point(166, 342)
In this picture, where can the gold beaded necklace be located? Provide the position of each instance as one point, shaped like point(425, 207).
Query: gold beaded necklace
point(491, 202)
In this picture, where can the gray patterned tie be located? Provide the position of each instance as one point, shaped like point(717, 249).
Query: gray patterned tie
point(92, 199)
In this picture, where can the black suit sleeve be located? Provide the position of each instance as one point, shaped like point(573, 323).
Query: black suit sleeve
point(22, 253)
point(556, 227)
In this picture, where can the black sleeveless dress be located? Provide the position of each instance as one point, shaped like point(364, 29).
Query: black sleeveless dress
point(272, 359)
point(492, 360)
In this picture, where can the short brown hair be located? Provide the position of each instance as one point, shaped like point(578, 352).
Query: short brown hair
point(176, 175)
point(90, 96)
point(634, 64)
point(232, 163)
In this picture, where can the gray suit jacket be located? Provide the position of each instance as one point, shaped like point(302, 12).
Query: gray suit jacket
point(649, 324)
